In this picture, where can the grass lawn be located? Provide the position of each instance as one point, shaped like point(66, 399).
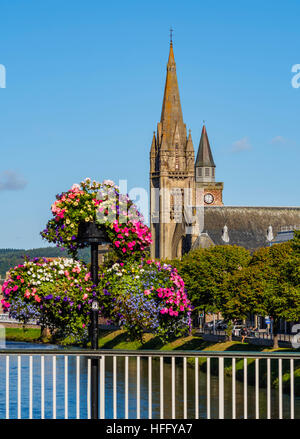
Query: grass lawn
point(20, 334)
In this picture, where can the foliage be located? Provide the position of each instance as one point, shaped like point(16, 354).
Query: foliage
point(295, 242)
point(145, 296)
point(103, 203)
point(268, 286)
point(57, 293)
point(205, 272)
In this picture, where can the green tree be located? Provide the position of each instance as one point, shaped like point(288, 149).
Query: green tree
point(269, 286)
point(205, 271)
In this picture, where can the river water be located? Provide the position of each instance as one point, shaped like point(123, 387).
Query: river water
point(60, 404)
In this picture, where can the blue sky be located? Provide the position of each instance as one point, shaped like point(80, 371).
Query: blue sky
point(84, 88)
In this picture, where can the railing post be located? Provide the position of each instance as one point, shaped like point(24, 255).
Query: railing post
point(221, 388)
point(94, 334)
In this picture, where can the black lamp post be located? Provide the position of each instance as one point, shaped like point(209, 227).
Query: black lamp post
point(92, 235)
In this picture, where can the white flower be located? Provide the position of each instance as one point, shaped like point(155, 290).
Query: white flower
point(109, 182)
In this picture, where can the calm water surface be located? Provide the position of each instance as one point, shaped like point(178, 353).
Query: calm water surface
point(60, 392)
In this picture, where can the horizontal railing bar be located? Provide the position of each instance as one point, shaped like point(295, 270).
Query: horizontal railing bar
point(149, 353)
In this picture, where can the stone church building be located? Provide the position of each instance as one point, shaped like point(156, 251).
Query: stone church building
point(186, 201)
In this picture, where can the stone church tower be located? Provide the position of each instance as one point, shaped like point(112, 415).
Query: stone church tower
point(171, 170)
point(177, 183)
point(205, 173)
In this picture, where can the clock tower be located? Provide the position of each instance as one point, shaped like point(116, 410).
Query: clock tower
point(205, 170)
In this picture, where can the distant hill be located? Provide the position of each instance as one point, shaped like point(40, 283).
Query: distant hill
point(11, 257)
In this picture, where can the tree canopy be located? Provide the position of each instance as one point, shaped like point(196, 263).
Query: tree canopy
point(205, 271)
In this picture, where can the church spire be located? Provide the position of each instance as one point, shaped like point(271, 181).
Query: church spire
point(204, 156)
point(171, 114)
point(205, 165)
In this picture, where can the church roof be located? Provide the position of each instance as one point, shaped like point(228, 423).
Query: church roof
point(204, 156)
point(283, 236)
point(246, 226)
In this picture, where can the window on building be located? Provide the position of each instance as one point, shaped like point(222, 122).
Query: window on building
point(206, 172)
point(199, 173)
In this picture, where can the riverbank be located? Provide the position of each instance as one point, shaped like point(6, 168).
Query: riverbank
point(20, 334)
point(118, 339)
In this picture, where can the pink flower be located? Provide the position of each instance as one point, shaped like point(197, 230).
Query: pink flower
point(147, 292)
point(76, 270)
point(5, 304)
point(87, 276)
point(85, 296)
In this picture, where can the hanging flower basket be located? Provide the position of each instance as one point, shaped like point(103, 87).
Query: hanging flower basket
point(146, 296)
point(56, 292)
point(109, 216)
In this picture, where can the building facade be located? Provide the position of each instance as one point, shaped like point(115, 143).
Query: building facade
point(186, 201)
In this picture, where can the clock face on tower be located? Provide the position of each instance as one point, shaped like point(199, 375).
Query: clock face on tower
point(208, 198)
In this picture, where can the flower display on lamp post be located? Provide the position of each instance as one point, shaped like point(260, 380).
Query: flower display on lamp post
point(56, 292)
point(100, 203)
point(145, 296)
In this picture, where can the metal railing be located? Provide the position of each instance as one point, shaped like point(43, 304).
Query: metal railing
point(261, 335)
point(148, 384)
point(4, 318)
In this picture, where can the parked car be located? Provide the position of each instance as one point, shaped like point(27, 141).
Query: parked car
point(221, 325)
point(210, 325)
